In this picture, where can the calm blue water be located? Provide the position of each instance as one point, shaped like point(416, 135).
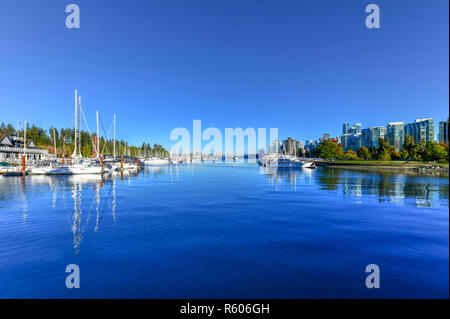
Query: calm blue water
point(225, 231)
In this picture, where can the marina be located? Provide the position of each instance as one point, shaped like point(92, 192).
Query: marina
point(224, 159)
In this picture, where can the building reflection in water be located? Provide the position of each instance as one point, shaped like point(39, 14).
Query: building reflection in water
point(421, 191)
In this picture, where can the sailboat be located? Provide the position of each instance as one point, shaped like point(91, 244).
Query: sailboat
point(80, 166)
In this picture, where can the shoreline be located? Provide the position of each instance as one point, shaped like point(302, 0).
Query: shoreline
point(418, 168)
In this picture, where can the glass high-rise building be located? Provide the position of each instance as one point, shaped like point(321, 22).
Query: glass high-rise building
point(371, 135)
point(396, 134)
point(443, 132)
point(345, 128)
point(289, 146)
point(350, 141)
point(422, 130)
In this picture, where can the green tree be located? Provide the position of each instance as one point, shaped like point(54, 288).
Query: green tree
point(404, 154)
point(395, 155)
point(373, 152)
point(409, 145)
point(384, 150)
point(364, 153)
point(329, 149)
point(435, 152)
point(351, 155)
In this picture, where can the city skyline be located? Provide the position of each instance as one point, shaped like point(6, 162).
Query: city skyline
point(390, 130)
point(438, 128)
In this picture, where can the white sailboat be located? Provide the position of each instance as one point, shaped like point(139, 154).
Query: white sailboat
point(79, 165)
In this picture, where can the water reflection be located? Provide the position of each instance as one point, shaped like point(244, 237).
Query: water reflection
point(421, 191)
point(81, 196)
point(287, 178)
point(88, 193)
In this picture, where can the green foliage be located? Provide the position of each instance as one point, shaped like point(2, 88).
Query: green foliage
point(435, 152)
point(65, 142)
point(404, 154)
point(364, 153)
point(409, 145)
point(329, 149)
point(384, 150)
point(395, 155)
point(351, 155)
point(373, 152)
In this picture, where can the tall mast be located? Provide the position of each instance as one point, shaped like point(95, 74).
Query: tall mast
point(98, 140)
point(54, 141)
point(114, 142)
point(76, 120)
point(79, 126)
point(25, 138)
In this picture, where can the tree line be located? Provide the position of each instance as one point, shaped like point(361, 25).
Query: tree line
point(422, 151)
point(65, 142)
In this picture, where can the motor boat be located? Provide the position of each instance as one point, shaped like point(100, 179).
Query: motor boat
point(287, 163)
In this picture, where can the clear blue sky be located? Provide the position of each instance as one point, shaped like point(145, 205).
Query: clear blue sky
point(305, 67)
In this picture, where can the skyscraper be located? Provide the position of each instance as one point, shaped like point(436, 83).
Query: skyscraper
point(345, 128)
point(422, 130)
point(395, 133)
point(370, 136)
point(289, 146)
point(443, 132)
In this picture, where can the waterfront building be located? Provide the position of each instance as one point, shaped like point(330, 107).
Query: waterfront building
point(355, 129)
point(350, 141)
point(12, 149)
point(422, 130)
point(355, 142)
point(289, 146)
point(351, 137)
point(345, 128)
point(443, 132)
point(310, 144)
point(300, 145)
point(371, 135)
point(344, 140)
point(325, 137)
point(396, 134)
point(275, 147)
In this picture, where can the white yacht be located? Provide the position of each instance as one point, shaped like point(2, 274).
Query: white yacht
point(287, 163)
point(83, 168)
point(155, 161)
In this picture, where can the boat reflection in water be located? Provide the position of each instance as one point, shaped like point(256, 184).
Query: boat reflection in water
point(409, 189)
point(81, 197)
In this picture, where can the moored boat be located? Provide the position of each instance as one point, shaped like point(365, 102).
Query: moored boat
point(155, 161)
